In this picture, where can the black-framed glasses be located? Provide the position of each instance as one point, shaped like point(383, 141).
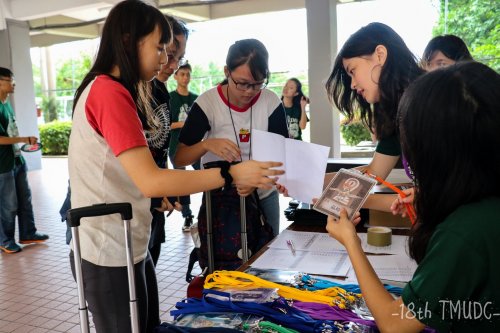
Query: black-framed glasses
point(245, 86)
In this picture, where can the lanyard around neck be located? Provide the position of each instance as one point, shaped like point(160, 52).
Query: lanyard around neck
point(234, 127)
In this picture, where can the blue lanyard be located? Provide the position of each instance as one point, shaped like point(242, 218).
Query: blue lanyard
point(309, 283)
point(279, 311)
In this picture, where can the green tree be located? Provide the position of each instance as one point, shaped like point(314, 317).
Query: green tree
point(477, 22)
point(70, 74)
point(37, 80)
point(202, 78)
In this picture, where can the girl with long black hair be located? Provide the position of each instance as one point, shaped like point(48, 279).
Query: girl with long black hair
point(448, 121)
point(109, 161)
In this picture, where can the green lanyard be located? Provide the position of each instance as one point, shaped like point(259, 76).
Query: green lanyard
point(268, 327)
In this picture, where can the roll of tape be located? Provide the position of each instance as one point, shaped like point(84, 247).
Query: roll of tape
point(379, 236)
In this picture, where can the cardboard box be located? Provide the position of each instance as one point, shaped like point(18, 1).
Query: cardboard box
point(378, 218)
point(399, 179)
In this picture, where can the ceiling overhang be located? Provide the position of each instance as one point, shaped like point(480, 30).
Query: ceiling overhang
point(58, 21)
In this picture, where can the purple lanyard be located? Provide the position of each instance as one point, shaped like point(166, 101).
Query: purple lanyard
point(408, 170)
point(321, 311)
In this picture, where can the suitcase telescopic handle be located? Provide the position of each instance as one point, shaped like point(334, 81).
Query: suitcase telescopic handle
point(122, 208)
point(73, 219)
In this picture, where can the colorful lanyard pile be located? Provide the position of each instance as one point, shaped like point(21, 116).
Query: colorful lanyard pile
point(334, 296)
point(283, 317)
point(278, 311)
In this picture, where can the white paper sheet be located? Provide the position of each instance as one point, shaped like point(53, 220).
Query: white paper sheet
point(304, 163)
point(335, 263)
point(320, 241)
point(398, 267)
point(314, 249)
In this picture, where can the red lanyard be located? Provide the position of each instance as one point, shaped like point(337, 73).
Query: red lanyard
point(408, 206)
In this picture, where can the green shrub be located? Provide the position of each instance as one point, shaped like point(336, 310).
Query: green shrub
point(55, 137)
point(355, 132)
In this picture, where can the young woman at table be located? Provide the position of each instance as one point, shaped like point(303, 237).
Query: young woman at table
point(447, 119)
point(370, 73)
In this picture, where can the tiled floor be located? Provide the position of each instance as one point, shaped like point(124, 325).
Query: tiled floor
point(37, 290)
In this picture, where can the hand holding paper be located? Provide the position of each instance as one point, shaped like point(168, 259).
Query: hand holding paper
point(304, 163)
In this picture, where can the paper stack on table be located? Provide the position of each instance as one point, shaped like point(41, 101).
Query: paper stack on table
point(318, 253)
point(334, 263)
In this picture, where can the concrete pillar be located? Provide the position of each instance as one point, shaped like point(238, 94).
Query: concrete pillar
point(15, 54)
point(322, 37)
point(48, 73)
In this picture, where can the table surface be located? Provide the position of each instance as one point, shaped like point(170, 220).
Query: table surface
point(309, 228)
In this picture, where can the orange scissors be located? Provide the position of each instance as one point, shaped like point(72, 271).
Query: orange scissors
point(408, 206)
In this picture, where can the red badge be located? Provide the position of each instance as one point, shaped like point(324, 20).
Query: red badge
point(244, 135)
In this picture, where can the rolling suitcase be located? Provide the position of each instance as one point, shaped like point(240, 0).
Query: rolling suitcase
point(73, 220)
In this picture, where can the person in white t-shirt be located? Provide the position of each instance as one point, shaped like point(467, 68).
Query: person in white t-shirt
point(221, 120)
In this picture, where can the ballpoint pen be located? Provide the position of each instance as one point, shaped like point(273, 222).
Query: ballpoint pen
point(289, 242)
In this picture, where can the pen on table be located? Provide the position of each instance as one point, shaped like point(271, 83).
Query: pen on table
point(290, 245)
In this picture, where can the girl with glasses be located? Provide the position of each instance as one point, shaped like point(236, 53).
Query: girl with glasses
point(220, 123)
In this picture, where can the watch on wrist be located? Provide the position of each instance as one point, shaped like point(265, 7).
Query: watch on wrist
point(224, 172)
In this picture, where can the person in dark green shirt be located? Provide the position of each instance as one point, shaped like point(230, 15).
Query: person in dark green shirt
point(447, 119)
point(15, 192)
point(369, 75)
point(181, 100)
